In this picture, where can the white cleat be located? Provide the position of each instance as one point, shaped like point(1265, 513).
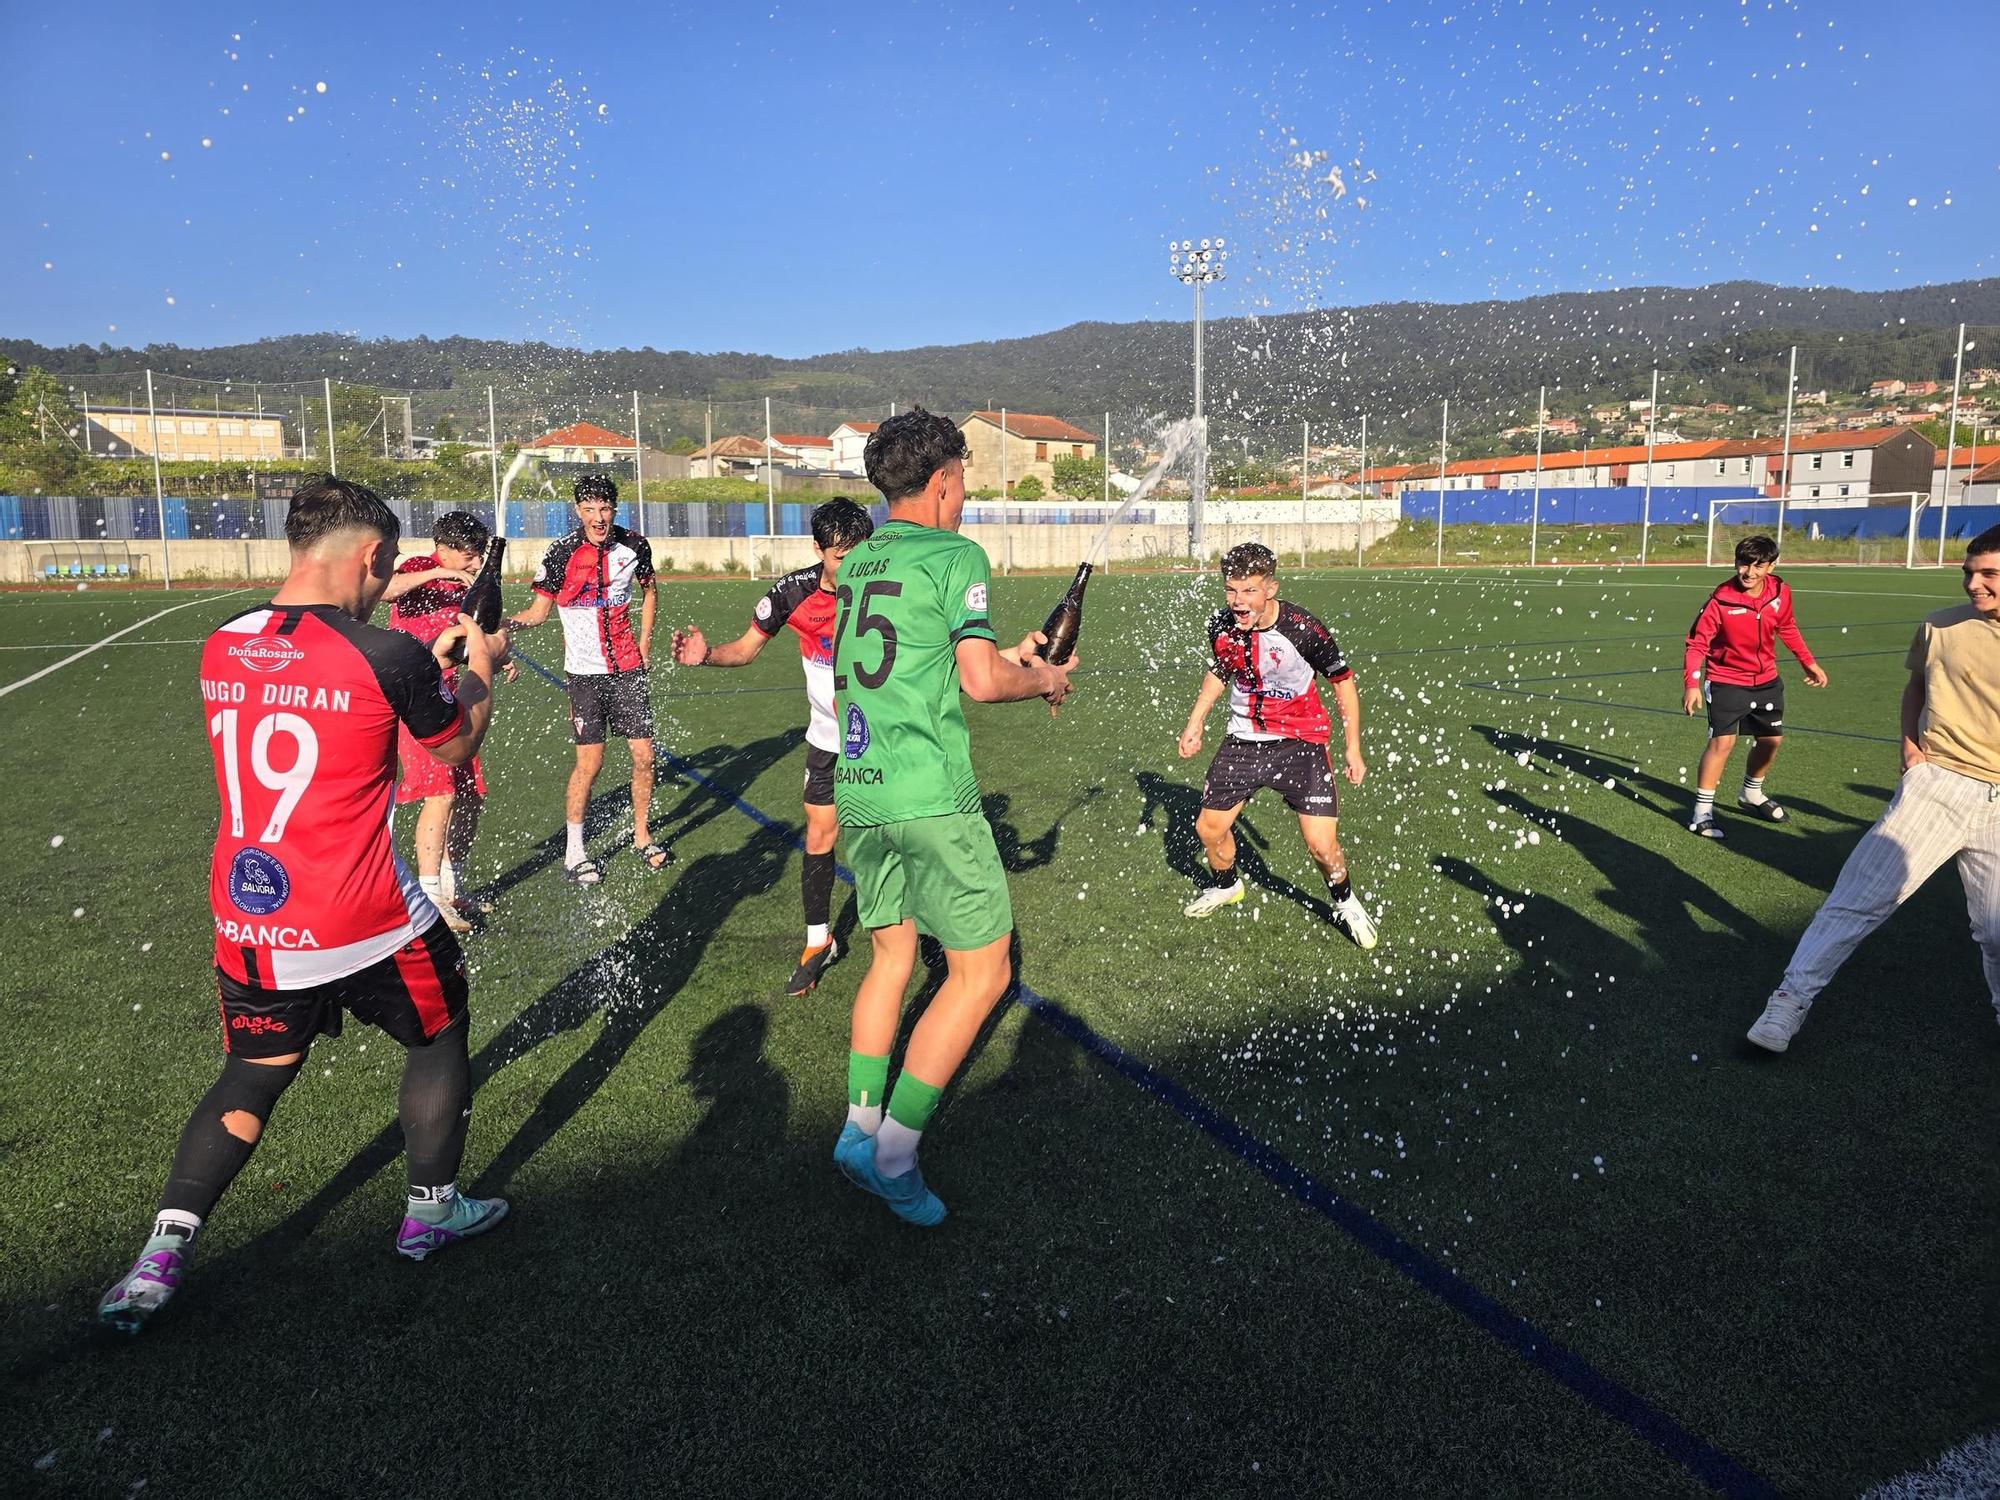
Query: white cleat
point(1782, 1018)
point(1212, 900)
point(1354, 917)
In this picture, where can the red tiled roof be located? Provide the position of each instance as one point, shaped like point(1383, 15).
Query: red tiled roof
point(864, 428)
point(1990, 474)
point(1025, 424)
point(1968, 456)
point(579, 435)
point(801, 440)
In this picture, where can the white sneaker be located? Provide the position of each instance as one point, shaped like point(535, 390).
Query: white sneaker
point(1212, 900)
point(1354, 917)
point(1782, 1018)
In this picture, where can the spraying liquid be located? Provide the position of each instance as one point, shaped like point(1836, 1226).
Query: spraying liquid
point(1175, 441)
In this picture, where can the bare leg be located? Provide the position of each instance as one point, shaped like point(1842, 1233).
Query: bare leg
point(878, 1003)
point(642, 792)
point(1714, 757)
point(433, 819)
point(1218, 839)
point(977, 979)
point(576, 800)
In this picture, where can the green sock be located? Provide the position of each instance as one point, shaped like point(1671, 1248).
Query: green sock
point(914, 1101)
point(867, 1080)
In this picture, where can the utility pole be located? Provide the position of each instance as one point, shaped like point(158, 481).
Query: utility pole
point(1535, 515)
point(1361, 505)
point(332, 458)
point(1444, 433)
point(1951, 440)
point(639, 460)
point(1196, 267)
point(159, 494)
point(1652, 422)
point(493, 466)
point(1785, 463)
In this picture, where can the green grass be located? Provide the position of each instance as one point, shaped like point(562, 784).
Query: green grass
point(1791, 1257)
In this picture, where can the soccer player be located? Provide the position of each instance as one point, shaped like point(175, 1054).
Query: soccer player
point(426, 593)
point(911, 631)
point(803, 601)
point(589, 577)
point(1735, 638)
point(314, 913)
point(1948, 802)
point(1268, 656)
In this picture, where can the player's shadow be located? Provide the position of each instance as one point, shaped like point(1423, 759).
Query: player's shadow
point(1676, 801)
point(1551, 938)
point(1653, 891)
point(747, 1100)
point(1182, 805)
point(1018, 854)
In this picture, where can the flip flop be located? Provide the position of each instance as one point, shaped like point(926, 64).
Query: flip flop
point(1768, 810)
point(589, 872)
point(656, 856)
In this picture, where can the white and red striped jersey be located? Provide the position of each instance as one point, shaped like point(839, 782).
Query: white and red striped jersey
point(594, 588)
point(1272, 675)
point(302, 703)
point(798, 601)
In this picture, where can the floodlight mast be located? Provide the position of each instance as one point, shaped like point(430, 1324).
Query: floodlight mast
point(1196, 266)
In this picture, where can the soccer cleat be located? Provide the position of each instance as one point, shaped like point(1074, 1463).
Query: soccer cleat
point(1705, 828)
point(844, 1150)
point(468, 1216)
point(142, 1291)
point(1212, 900)
point(1782, 1018)
point(906, 1195)
point(1768, 810)
point(813, 964)
point(1352, 915)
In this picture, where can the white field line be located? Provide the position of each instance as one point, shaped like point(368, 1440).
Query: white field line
point(1970, 1470)
point(100, 645)
point(123, 645)
point(1620, 583)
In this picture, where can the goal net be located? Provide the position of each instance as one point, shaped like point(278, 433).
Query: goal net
point(1880, 529)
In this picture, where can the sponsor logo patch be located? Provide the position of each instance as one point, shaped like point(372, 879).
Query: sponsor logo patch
point(764, 608)
point(258, 884)
point(257, 1025)
point(268, 653)
point(854, 743)
point(975, 597)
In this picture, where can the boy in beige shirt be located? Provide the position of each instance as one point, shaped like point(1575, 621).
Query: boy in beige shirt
point(1948, 802)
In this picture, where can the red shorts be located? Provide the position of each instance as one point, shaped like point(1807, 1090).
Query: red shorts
point(424, 775)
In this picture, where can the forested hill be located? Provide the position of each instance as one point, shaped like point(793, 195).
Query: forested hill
point(1265, 374)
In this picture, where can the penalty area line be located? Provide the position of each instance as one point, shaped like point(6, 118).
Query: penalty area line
point(57, 666)
point(1514, 1333)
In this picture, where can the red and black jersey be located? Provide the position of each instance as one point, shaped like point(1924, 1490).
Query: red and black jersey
point(302, 704)
point(429, 609)
point(1272, 675)
point(798, 601)
point(1736, 635)
point(594, 588)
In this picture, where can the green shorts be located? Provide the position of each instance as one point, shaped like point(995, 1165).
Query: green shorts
point(943, 871)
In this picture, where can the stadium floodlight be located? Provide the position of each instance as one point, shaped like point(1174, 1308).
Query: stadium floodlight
point(1197, 268)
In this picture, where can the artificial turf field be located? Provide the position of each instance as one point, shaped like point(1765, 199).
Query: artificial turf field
point(1506, 1207)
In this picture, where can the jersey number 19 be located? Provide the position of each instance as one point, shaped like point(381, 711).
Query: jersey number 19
point(290, 783)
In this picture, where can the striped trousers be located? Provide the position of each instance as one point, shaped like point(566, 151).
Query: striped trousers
point(1934, 815)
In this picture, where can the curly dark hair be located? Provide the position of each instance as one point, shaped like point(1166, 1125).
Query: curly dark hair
point(323, 506)
point(841, 523)
point(906, 450)
point(1249, 560)
point(460, 529)
point(595, 487)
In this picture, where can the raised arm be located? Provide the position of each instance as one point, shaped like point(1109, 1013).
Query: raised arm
point(402, 583)
point(989, 675)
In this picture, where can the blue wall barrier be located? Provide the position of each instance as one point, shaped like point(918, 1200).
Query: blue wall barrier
point(1672, 505)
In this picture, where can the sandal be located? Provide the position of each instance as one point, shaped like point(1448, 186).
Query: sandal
point(656, 856)
point(1768, 810)
point(589, 872)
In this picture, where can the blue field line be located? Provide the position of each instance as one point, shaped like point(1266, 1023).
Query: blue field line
point(1515, 1333)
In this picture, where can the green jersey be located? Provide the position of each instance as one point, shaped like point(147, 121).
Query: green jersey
point(906, 597)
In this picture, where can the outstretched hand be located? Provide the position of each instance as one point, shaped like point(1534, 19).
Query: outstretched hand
point(690, 647)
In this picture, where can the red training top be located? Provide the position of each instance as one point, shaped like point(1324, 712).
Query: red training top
point(302, 705)
point(1736, 636)
point(429, 609)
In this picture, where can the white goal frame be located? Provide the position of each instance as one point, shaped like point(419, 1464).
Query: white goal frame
point(787, 553)
point(1914, 502)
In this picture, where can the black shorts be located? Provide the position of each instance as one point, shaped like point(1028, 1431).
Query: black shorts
point(413, 994)
point(1298, 771)
point(610, 703)
point(1756, 710)
point(819, 776)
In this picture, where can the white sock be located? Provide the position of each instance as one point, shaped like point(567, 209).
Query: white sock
point(173, 1229)
point(896, 1148)
point(1753, 791)
point(433, 889)
point(577, 853)
point(867, 1116)
point(816, 935)
point(451, 878)
point(1704, 804)
point(432, 1205)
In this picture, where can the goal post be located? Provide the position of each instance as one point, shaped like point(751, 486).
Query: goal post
point(773, 556)
point(1875, 528)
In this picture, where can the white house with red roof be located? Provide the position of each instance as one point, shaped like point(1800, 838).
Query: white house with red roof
point(849, 441)
point(802, 450)
point(582, 443)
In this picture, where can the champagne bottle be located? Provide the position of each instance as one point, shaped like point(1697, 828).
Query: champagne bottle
point(1065, 621)
point(482, 600)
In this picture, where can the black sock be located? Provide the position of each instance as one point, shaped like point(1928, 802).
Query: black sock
point(1222, 879)
point(816, 885)
point(210, 1154)
point(435, 1106)
point(1340, 889)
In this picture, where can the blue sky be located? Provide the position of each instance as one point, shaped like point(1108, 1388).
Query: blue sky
point(793, 179)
